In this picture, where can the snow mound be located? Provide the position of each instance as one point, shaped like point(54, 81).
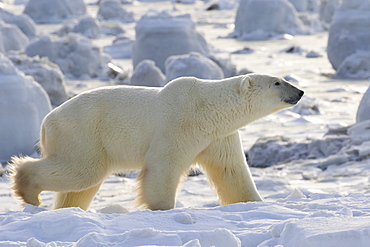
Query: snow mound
point(114, 209)
point(335, 149)
point(363, 111)
point(87, 26)
point(23, 22)
point(263, 19)
point(113, 10)
point(300, 5)
point(307, 106)
point(54, 11)
point(76, 56)
point(269, 151)
point(359, 133)
point(112, 28)
point(327, 10)
point(12, 38)
point(160, 35)
point(120, 48)
point(23, 105)
point(349, 32)
point(318, 231)
point(228, 67)
point(147, 74)
point(44, 72)
point(355, 66)
point(316, 220)
point(193, 64)
point(305, 5)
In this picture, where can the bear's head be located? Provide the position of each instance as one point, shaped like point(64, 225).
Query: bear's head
point(269, 93)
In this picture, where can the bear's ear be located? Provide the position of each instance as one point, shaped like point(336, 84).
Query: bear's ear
point(245, 83)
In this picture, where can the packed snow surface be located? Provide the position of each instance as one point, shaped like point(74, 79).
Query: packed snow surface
point(321, 220)
point(316, 155)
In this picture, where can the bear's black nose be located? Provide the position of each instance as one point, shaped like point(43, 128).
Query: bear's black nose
point(300, 93)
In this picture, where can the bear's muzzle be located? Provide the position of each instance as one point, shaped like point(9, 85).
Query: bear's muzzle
point(294, 100)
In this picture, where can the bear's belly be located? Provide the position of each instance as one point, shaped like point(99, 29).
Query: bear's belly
point(127, 150)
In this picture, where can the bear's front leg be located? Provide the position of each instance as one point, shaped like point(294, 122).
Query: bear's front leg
point(227, 169)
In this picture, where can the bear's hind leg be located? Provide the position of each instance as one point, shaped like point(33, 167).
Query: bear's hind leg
point(228, 171)
point(32, 176)
point(80, 199)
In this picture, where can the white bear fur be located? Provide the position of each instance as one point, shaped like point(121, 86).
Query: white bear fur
point(160, 131)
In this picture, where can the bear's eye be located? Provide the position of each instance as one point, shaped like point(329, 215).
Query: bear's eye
point(277, 83)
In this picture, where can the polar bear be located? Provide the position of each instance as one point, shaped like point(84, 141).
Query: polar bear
point(160, 131)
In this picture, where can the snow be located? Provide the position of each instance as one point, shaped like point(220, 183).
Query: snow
point(327, 10)
point(147, 74)
point(23, 105)
point(348, 33)
point(193, 64)
point(46, 73)
point(322, 220)
point(364, 108)
point(42, 12)
point(87, 26)
point(120, 48)
point(76, 56)
point(160, 35)
point(316, 155)
point(112, 10)
point(355, 66)
point(12, 37)
point(23, 22)
point(262, 19)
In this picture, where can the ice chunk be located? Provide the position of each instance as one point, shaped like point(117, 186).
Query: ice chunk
point(23, 105)
point(114, 209)
point(160, 35)
point(183, 218)
point(363, 111)
point(193, 64)
point(76, 56)
point(44, 72)
point(147, 74)
point(54, 11)
point(23, 22)
point(327, 11)
point(356, 65)
point(349, 31)
point(113, 10)
point(262, 19)
point(12, 38)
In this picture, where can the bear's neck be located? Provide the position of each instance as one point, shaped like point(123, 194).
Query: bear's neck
point(227, 111)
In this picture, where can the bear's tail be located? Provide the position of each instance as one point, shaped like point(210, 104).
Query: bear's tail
point(24, 180)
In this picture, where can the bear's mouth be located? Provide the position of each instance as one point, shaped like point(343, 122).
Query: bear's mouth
point(292, 101)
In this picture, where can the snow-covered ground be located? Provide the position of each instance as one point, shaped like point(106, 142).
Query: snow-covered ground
point(316, 195)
